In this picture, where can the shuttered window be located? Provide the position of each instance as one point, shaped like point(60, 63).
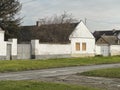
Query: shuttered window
point(83, 46)
point(77, 46)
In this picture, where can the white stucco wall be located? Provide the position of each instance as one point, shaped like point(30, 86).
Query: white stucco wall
point(35, 45)
point(51, 49)
point(2, 44)
point(3, 50)
point(81, 31)
point(98, 50)
point(115, 50)
point(2, 36)
point(90, 46)
point(13, 43)
point(82, 34)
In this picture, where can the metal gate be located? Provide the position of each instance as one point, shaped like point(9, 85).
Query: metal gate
point(105, 49)
point(24, 51)
point(8, 57)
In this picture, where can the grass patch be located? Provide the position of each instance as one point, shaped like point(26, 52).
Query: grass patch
point(109, 73)
point(22, 65)
point(36, 85)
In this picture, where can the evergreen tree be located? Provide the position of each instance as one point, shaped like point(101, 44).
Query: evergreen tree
point(8, 20)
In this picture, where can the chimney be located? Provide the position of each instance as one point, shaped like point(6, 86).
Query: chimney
point(40, 22)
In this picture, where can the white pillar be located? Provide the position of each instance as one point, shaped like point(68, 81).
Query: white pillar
point(13, 48)
point(34, 46)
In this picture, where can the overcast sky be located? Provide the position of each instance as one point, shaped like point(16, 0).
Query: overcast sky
point(100, 14)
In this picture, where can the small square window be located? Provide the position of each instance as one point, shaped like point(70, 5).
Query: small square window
point(77, 46)
point(83, 46)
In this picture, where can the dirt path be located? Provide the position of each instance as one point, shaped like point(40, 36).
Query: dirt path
point(99, 82)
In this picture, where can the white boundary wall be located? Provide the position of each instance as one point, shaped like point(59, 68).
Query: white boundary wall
point(90, 46)
point(115, 50)
point(50, 49)
point(98, 50)
point(3, 50)
point(13, 43)
point(3, 46)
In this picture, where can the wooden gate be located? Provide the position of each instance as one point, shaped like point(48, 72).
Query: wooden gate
point(105, 49)
point(8, 57)
point(24, 51)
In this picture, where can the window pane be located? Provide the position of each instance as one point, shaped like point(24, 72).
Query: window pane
point(84, 46)
point(77, 46)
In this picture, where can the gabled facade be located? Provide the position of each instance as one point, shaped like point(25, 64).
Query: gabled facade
point(82, 41)
point(99, 34)
point(109, 40)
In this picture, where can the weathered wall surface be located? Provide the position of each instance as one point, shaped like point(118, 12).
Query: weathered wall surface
point(2, 36)
point(115, 50)
point(98, 50)
point(24, 51)
point(81, 34)
point(50, 50)
point(90, 47)
point(103, 49)
point(13, 43)
point(3, 48)
point(112, 51)
point(81, 31)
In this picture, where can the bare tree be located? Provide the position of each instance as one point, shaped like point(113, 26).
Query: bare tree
point(55, 29)
point(58, 19)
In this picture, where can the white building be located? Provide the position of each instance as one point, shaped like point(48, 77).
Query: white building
point(82, 43)
point(107, 42)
